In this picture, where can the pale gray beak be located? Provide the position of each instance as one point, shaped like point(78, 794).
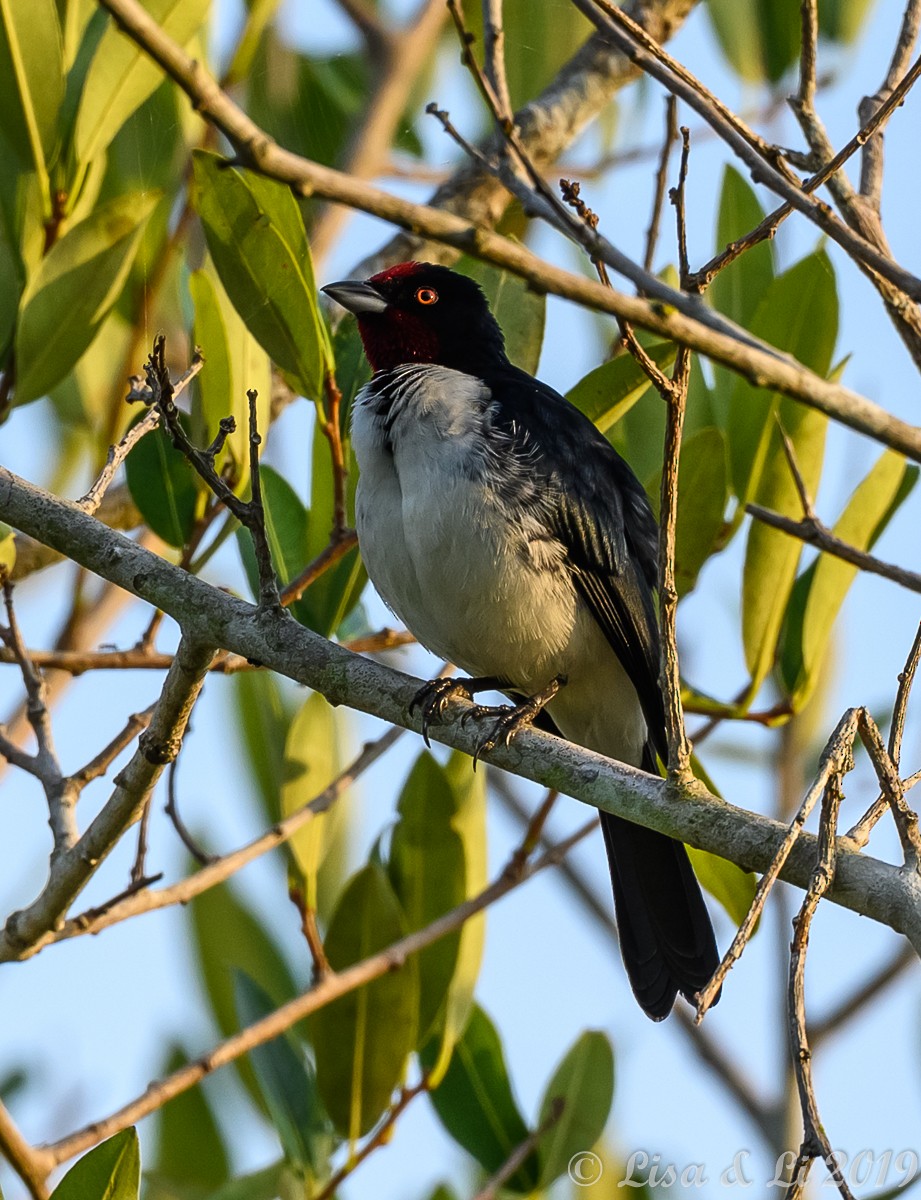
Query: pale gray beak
point(356, 296)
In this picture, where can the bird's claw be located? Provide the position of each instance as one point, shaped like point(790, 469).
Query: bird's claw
point(511, 720)
point(434, 697)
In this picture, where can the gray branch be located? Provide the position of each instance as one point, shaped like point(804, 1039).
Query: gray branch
point(211, 617)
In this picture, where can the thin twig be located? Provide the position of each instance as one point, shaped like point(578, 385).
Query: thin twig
point(856, 1001)
point(836, 759)
point(871, 165)
point(815, 1142)
point(22, 1157)
point(379, 1137)
point(671, 136)
point(98, 765)
point(494, 58)
point(519, 1156)
point(812, 531)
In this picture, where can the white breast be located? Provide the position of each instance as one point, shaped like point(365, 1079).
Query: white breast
point(477, 580)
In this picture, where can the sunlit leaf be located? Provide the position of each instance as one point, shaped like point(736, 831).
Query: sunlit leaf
point(428, 870)
point(110, 1171)
point(122, 76)
point(608, 392)
point(73, 289)
point(583, 1084)
point(7, 548)
point(820, 591)
point(257, 240)
point(799, 313)
point(236, 363)
point(841, 20)
point(475, 1104)
point(31, 80)
point(363, 1040)
point(311, 763)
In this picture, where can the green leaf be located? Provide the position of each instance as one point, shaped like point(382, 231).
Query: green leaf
point(164, 487)
point(761, 38)
point(235, 364)
point(286, 524)
point(732, 887)
point(287, 1085)
point(738, 288)
point(841, 20)
point(264, 719)
point(330, 599)
point(820, 591)
point(311, 763)
point(110, 1171)
point(257, 239)
point(267, 1184)
point(608, 392)
point(539, 39)
point(475, 1104)
point(7, 547)
point(31, 81)
point(428, 870)
point(73, 289)
point(228, 935)
point(362, 1040)
point(468, 792)
point(799, 313)
point(584, 1084)
point(703, 491)
point(189, 1148)
point(519, 310)
point(122, 76)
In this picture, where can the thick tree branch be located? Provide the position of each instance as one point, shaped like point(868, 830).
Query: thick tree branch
point(209, 616)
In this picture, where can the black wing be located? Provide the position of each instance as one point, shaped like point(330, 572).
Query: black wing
point(598, 509)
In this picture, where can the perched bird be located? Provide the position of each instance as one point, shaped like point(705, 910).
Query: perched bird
point(512, 539)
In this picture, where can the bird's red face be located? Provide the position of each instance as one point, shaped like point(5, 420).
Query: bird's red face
point(420, 312)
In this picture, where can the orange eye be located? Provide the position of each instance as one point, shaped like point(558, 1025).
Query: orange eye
point(427, 295)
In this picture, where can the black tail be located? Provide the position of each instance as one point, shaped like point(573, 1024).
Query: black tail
point(665, 933)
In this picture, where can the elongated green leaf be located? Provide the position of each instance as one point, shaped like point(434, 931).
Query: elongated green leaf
point(362, 1041)
point(164, 487)
point(761, 38)
point(726, 883)
point(608, 392)
point(820, 590)
point(31, 80)
point(236, 364)
point(189, 1148)
point(257, 240)
point(227, 936)
point(268, 1184)
point(328, 601)
point(840, 20)
point(110, 1171)
point(287, 1085)
point(738, 289)
point(702, 495)
point(475, 1104)
point(286, 528)
point(519, 310)
point(428, 871)
point(264, 717)
point(468, 793)
point(311, 763)
point(73, 289)
point(584, 1084)
point(799, 313)
point(121, 76)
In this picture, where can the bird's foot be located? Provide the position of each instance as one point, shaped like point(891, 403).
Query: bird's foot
point(514, 718)
point(434, 697)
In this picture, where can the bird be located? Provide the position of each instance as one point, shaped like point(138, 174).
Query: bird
point(508, 535)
